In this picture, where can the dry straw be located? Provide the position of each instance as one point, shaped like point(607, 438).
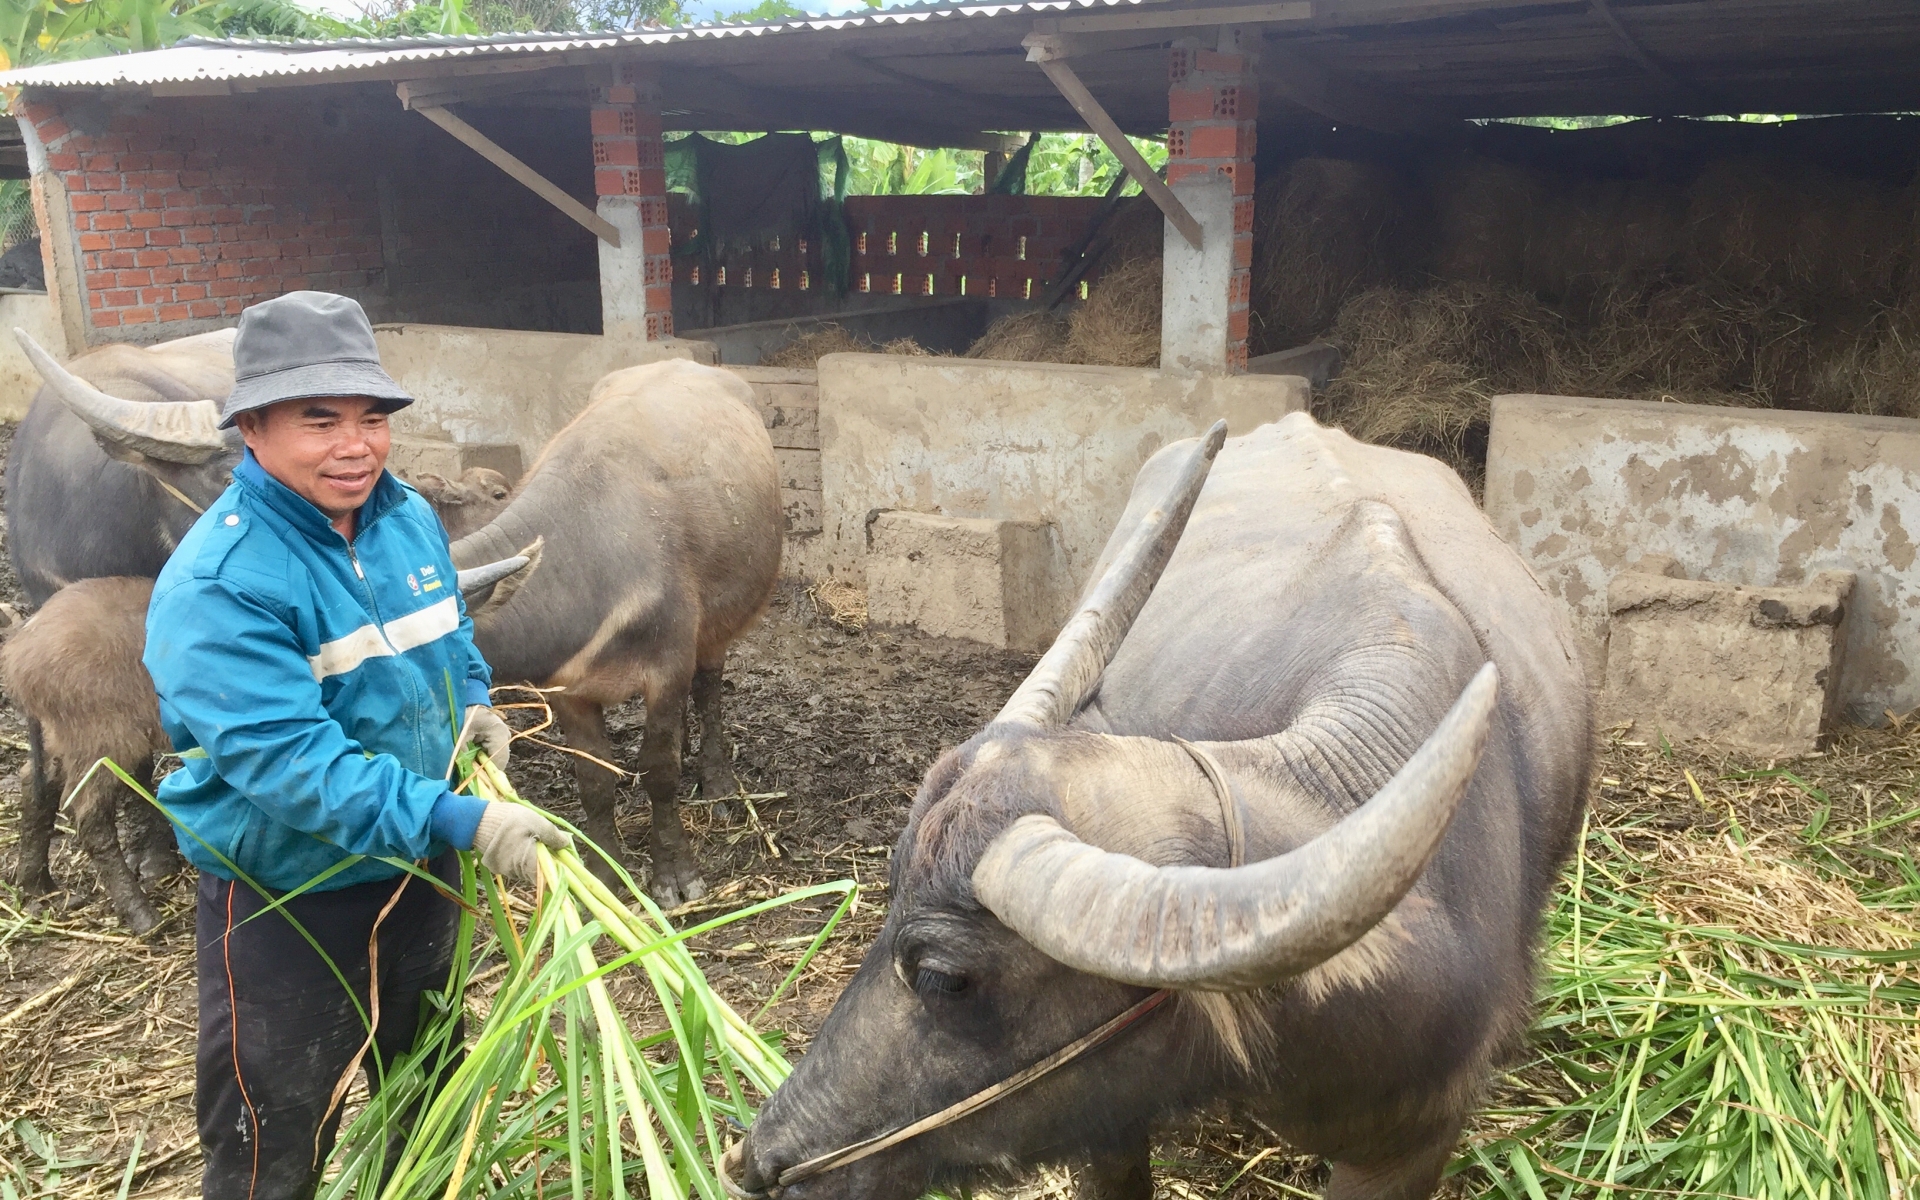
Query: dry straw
point(807, 350)
point(1033, 336)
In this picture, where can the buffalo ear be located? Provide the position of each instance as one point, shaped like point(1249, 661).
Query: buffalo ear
point(503, 592)
point(436, 489)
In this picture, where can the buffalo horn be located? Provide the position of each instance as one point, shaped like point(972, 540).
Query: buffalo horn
point(475, 578)
point(1231, 929)
point(1067, 674)
point(181, 431)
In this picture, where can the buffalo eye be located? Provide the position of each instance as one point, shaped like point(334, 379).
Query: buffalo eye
point(928, 982)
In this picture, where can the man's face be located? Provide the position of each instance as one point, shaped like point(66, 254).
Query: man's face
point(329, 450)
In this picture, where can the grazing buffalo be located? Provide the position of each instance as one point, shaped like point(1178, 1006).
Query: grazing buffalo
point(659, 510)
point(1275, 833)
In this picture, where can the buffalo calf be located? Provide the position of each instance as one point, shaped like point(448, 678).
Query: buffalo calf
point(74, 668)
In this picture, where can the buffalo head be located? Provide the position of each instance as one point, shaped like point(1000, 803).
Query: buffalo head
point(1050, 878)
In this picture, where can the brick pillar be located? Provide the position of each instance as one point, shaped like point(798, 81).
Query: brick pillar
point(630, 179)
point(1213, 103)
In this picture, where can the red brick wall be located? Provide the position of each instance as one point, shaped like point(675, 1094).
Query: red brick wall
point(193, 215)
point(187, 210)
point(987, 246)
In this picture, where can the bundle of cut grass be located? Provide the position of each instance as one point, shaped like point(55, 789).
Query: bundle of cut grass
point(1723, 1016)
point(555, 1094)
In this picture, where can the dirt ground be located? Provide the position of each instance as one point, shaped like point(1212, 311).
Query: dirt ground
point(835, 727)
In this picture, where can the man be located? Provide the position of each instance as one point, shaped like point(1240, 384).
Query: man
point(315, 663)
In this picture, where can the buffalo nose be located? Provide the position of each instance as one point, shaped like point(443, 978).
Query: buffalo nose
point(739, 1178)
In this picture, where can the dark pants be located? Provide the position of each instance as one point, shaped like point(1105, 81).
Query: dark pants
point(277, 1031)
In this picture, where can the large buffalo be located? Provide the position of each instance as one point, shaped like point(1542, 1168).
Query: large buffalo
point(1287, 850)
point(659, 510)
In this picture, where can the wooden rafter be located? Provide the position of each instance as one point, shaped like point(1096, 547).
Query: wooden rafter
point(1042, 51)
point(537, 183)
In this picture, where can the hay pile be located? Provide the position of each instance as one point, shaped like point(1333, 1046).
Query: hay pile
point(1326, 230)
point(1754, 283)
point(1118, 325)
point(805, 351)
point(1033, 336)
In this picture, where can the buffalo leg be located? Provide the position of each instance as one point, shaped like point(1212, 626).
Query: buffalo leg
point(585, 724)
point(39, 802)
point(154, 854)
point(717, 781)
point(1411, 1176)
point(1127, 1175)
point(676, 872)
point(93, 811)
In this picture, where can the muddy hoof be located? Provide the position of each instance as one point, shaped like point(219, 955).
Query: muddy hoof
point(37, 886)
point(726, 812)
point(140, 919)
point(718, 782)
point(675, 882)
point(155, 863)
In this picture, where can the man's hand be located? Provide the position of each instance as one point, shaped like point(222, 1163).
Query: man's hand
point(485, 726)
point(507, 835)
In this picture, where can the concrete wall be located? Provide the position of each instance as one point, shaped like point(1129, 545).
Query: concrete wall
point(499, 385)
point(1016, 441)
point(1739, 496)
point(789, 403)
point(18, 380)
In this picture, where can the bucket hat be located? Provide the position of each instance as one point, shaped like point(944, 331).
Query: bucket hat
point(302, 345)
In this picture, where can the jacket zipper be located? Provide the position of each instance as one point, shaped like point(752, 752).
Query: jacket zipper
point(380, 623)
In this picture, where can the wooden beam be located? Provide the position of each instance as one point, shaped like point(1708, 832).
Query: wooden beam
point(1291, 75)
point(1183, 18)
point(488, 149)
point(1039, 51)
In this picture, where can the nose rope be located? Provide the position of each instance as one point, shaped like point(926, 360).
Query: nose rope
point(820, 1164)
point(1229, 803)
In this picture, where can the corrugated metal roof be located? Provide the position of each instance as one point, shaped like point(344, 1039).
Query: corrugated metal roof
point(219, 60)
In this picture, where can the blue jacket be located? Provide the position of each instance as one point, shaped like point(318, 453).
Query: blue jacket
point(313, 689)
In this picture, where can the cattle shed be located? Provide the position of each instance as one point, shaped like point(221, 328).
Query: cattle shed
point(503, 208)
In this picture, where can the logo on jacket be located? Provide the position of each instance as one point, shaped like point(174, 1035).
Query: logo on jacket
point(427, 573)
point(413, 582)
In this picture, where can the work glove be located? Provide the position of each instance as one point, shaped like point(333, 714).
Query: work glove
point(485, 726)
point(504, 841)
